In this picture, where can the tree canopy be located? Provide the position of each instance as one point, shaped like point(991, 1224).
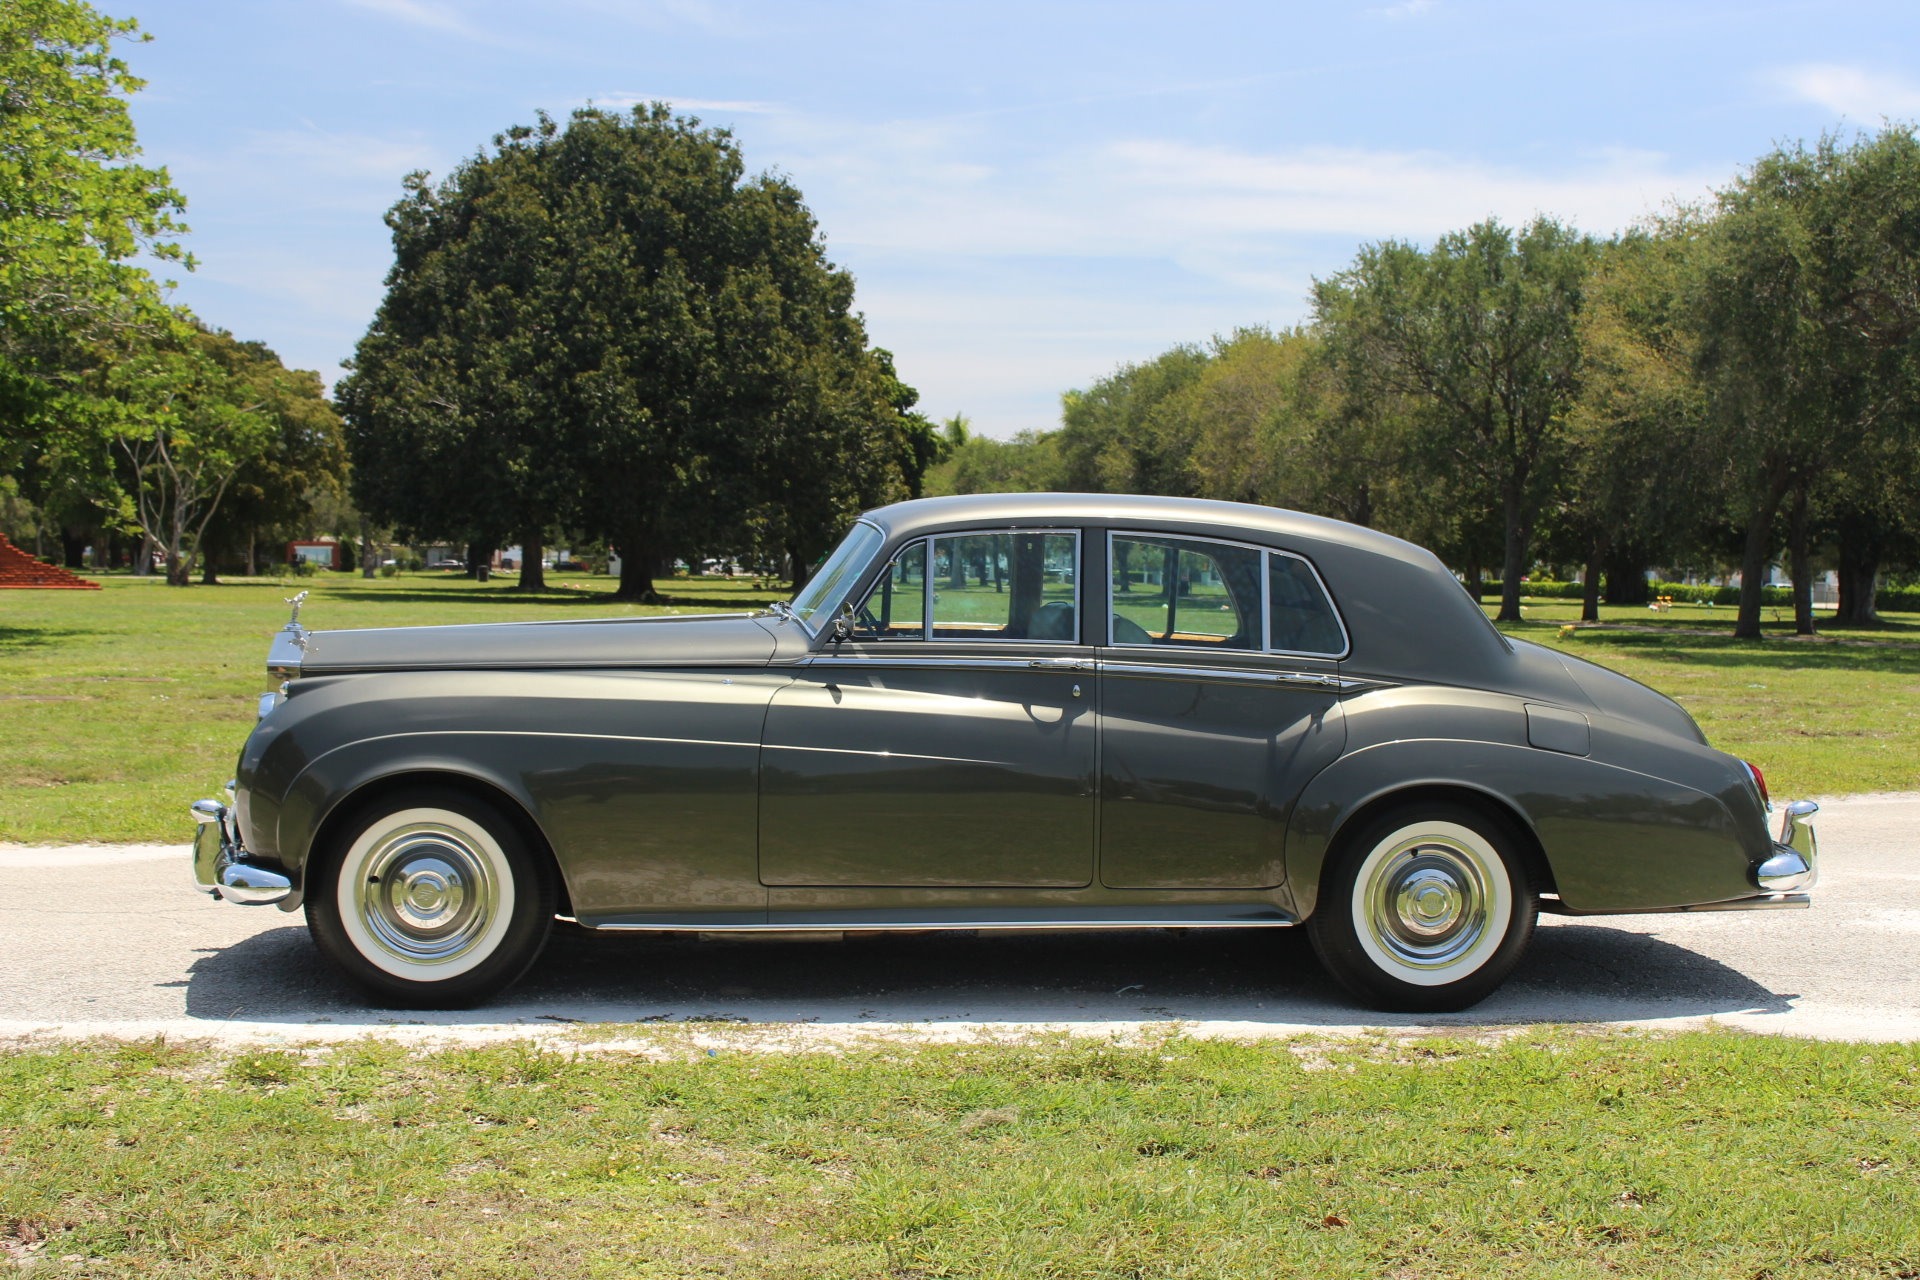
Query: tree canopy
point(606, 328)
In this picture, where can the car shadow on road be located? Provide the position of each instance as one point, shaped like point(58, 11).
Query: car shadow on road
point(1573, 974)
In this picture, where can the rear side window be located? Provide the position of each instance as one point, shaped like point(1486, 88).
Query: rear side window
point(1197, 593)
point(1178, 591)
point(1300, 618)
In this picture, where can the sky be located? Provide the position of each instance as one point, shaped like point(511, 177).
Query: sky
point(1029, 195)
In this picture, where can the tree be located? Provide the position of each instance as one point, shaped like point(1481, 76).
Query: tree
point(1127, 433)
point(1477, 334)
point(74, 211)
point(605, 328)
point(193, 410)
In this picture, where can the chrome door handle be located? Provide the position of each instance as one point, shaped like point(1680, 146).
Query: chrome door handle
point(1307, 678)
point(1060, 664)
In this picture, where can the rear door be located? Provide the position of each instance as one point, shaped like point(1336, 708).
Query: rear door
point(1219, 692)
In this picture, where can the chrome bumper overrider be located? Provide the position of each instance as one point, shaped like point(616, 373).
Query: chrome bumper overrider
point(1794, 865)
point(218, 861)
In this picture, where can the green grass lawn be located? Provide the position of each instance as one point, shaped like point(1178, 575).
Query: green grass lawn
point(118, 708)
point(1548, 1155)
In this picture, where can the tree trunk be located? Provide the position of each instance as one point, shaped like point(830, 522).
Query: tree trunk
point(479, 562)
point(73, 546)
point(208, 578)
point(1514, 567)
point(143, 563)
point(1625, 582)
point(367, 567)
point(1859, 578)
point(1590, 587)
point(798, 568)
point(637, 563)
point(253, 560)
point(1800, 566)
point(1753, 564)
point(1476, 583)
point(533, 569)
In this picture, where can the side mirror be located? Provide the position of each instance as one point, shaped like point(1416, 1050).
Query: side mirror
point(843, 624)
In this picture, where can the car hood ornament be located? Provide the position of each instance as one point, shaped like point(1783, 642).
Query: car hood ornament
point(293, 623)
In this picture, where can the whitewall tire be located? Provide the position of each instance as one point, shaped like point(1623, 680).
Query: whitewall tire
point(431, 899)
point(1426, 908)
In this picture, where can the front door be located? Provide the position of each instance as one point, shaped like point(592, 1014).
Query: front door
point(951, 740)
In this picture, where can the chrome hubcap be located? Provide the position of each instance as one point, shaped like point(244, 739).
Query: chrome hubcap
point(1426, 902)
point(426, 894)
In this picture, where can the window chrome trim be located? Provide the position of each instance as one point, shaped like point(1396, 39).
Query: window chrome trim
point(984, 662)
point(1266, 602)
point(1239, 675)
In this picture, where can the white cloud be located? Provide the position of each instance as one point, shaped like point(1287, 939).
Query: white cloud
point(424, 13)
point(314, 153)
point(1860, 95)
point(1406, 9)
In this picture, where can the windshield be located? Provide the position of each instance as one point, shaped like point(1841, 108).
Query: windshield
point(830, 582)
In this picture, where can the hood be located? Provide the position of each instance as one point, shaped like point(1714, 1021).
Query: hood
point(698, 640)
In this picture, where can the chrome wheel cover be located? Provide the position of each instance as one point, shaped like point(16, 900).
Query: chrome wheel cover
point(1432, 903)
point(425, 894)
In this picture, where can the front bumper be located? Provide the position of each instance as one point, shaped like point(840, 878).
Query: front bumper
point(219, 861)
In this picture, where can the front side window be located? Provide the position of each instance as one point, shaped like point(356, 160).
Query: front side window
point(1004, 586)
point(896, 606)
point(1180, 591)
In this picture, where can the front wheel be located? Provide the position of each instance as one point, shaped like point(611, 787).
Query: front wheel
point(1426, 909)
point(431, 899)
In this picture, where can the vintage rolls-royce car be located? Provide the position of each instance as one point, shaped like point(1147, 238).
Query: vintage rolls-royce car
point(1031, 711)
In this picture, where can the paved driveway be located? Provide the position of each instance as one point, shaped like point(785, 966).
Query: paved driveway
point(113, 941)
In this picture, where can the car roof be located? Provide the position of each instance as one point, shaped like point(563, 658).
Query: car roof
point(1132, 510)
point(1404, 611)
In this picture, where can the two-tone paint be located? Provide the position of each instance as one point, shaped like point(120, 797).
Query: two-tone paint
point(756, 772)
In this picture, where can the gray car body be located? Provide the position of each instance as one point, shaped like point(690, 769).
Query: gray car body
point(746, 771)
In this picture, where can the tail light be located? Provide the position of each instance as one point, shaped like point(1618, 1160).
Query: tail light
point(1760, 781)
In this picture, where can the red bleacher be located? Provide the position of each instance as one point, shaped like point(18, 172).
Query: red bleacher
point(18, 569)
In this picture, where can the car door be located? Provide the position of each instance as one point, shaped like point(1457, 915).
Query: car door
point(1219, 694)
point(950, 739)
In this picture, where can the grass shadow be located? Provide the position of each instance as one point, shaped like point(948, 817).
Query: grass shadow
point(14, 639)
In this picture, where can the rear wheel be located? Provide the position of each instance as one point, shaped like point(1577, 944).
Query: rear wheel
point(1425, 909)
point(431, 898)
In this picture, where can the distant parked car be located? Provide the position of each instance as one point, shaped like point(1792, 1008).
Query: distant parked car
point(1025, 711)
point(448, 564)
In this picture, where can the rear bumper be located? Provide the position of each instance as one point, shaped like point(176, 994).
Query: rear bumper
point(220, 864)
point(1782, 881)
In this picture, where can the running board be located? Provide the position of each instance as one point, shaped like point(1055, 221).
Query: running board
point(1248, 916)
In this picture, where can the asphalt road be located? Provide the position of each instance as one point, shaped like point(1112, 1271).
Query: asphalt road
point(113, 940)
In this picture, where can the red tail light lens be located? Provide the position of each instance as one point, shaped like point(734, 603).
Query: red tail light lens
point(1759, 780)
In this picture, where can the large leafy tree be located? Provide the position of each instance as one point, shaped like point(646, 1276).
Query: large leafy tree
point(1478, 335)
point(191, 412)
point(75, 210)
point(608, 328)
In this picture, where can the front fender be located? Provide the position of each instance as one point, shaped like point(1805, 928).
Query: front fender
point(1615, 839)
point(644, 785)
